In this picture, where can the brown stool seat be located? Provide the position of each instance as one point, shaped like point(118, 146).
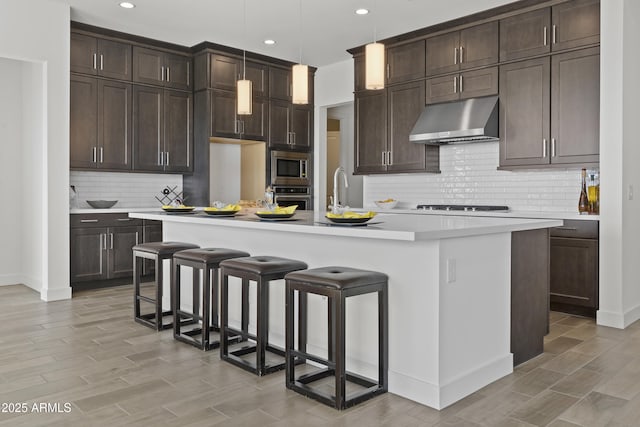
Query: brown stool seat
point(264, 265)
point(337, 284)
point(209, 255)
point(208, 260)
point(163, 248)
point(338, 277)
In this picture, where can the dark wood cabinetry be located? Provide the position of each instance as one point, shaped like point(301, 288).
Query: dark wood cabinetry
point(226, 123)
point(162, 129)
point(225, 71)
point(100, 57)
point(460, 50)
point(280, 83)
point(371, 131)
point(525, 35)
point(156, 67)
point(575, 24)
point(469, 84)
point(100, 124)
point(574, 267)
point(405, 62)
point(549, 110)
point(290, 126)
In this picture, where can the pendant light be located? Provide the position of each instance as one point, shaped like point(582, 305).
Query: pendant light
point(244, 87)
point(374, 64)
point(300, 73)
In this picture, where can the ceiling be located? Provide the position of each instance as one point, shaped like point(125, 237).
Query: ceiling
point(327, 27)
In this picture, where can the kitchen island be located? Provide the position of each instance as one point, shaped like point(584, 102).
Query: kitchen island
point(450, 282)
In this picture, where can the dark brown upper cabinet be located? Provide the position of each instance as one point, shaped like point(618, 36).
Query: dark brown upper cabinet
point(226, 123)
point(460, 50)
point(290, 126)
point(280, 83)
point(563, 26)
point(405, 62)
point(225, 71)
point(100, 57)
point(469, 84)
point(371, 131)
point(100, 124)
point(159, 68)
point(359, 72)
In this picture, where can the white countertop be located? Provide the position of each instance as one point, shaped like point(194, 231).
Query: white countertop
point(383, 226)
point(112, 210)
point(508, 214)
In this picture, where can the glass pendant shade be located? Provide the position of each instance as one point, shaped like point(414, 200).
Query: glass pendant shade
point(244, 103)
point(374, 66)
point(300, 80)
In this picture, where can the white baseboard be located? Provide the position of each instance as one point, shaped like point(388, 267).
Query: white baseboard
point(55, 294)
point(610, 319)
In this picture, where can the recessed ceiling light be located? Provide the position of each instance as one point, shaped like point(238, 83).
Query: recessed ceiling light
point(362, 11)
point(127, 5)
point(269, 42)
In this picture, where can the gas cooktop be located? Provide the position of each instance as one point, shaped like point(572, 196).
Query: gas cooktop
point(466, 208)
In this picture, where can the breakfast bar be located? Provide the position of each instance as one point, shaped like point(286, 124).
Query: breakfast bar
point(450, 289)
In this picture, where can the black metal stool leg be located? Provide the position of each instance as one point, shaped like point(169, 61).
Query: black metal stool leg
point(159, 285)
point(215, 321)
point(224, 316)
point(176, 297)
point(340, 359)
point(206, 310)
point(262, 325)
point(196, 294)
point(245, 307)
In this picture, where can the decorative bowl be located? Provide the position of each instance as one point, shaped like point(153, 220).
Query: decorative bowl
point(101, 204)
point(386, 204)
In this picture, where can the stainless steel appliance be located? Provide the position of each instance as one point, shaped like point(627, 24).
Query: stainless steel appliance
point(290, 168)
point(288, 196)
point(466, 208)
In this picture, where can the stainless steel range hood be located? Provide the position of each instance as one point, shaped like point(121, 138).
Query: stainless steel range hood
point(471, 120)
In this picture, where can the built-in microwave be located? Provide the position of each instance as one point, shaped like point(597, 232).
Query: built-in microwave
point(290, 168)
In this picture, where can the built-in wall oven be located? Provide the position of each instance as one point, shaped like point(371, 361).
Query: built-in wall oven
point(288, 196)
point(290, 168)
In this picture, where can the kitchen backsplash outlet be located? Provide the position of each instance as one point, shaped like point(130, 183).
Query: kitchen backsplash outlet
point(469, 176)
point(130, 189)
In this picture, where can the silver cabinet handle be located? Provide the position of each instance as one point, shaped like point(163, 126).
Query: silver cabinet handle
point(389, 158)
point(168, 78)
point(161, 73)
point(101, 62)
point(293, 138)
point(104, 242)
point(384, 158)
point(388, 71)
point(566, 228)
point(137, 241)
point(111, 240)
point(544, 35)
point(160, 158)
point(461, 88)
point(455, 84)
point(461, 54)
point(88, 220)
point(544, 147)
point(94, 154)
point(101, 154)
point(95, 61)
point(553, 34)
point(188, 74)
point(553, 147)
point(166, 163)
point(455, 56)
point(124, 219)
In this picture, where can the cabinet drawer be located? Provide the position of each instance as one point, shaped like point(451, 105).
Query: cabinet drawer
point(579, 229)
point(103, 220)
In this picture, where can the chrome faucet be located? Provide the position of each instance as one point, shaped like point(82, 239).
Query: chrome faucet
point(335, 205)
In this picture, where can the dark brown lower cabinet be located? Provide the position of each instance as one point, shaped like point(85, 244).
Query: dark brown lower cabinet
point(574, 268)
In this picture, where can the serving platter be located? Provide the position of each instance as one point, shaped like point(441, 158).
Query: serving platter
point(178, 209)
point(274, 216)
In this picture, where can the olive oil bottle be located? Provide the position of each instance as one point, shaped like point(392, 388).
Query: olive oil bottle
point(583, 202)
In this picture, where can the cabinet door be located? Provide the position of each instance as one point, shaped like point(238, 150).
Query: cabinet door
point(479, 46)
point(477, 83)
point(406, 62)
point(575, 24)
point(443, 53)
point(223, 114)
point(114, 125)
point(84, 57)
point(255, 125)
point(525, 35)
point(405, 103)
point(88, 254)
point(280, 113)
point(147, 128)
point(371, 131)
point(120, 242)
point(148, 66)
point(114, 59)
point(301, 127)
point(224, 72)
point(575, 106)
point(359, 72)
point(524, 113)
point(178, 140)
point(574, 271)
point(259, 76)
point(280, 83)
point(83, 121)
point(442, 89)
point(177, 71)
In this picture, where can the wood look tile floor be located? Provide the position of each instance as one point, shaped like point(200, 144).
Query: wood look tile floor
point(94, 366)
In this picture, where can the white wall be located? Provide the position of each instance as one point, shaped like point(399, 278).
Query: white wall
point(225, 171)
point(10, 145)
point(38, 31)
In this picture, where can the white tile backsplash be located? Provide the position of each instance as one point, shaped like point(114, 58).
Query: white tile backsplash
point(470, 176)
point(130, 189)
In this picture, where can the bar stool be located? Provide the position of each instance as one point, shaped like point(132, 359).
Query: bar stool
point(158, 252)
point(337, 284)
point(260, 269)
point(208, 260)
